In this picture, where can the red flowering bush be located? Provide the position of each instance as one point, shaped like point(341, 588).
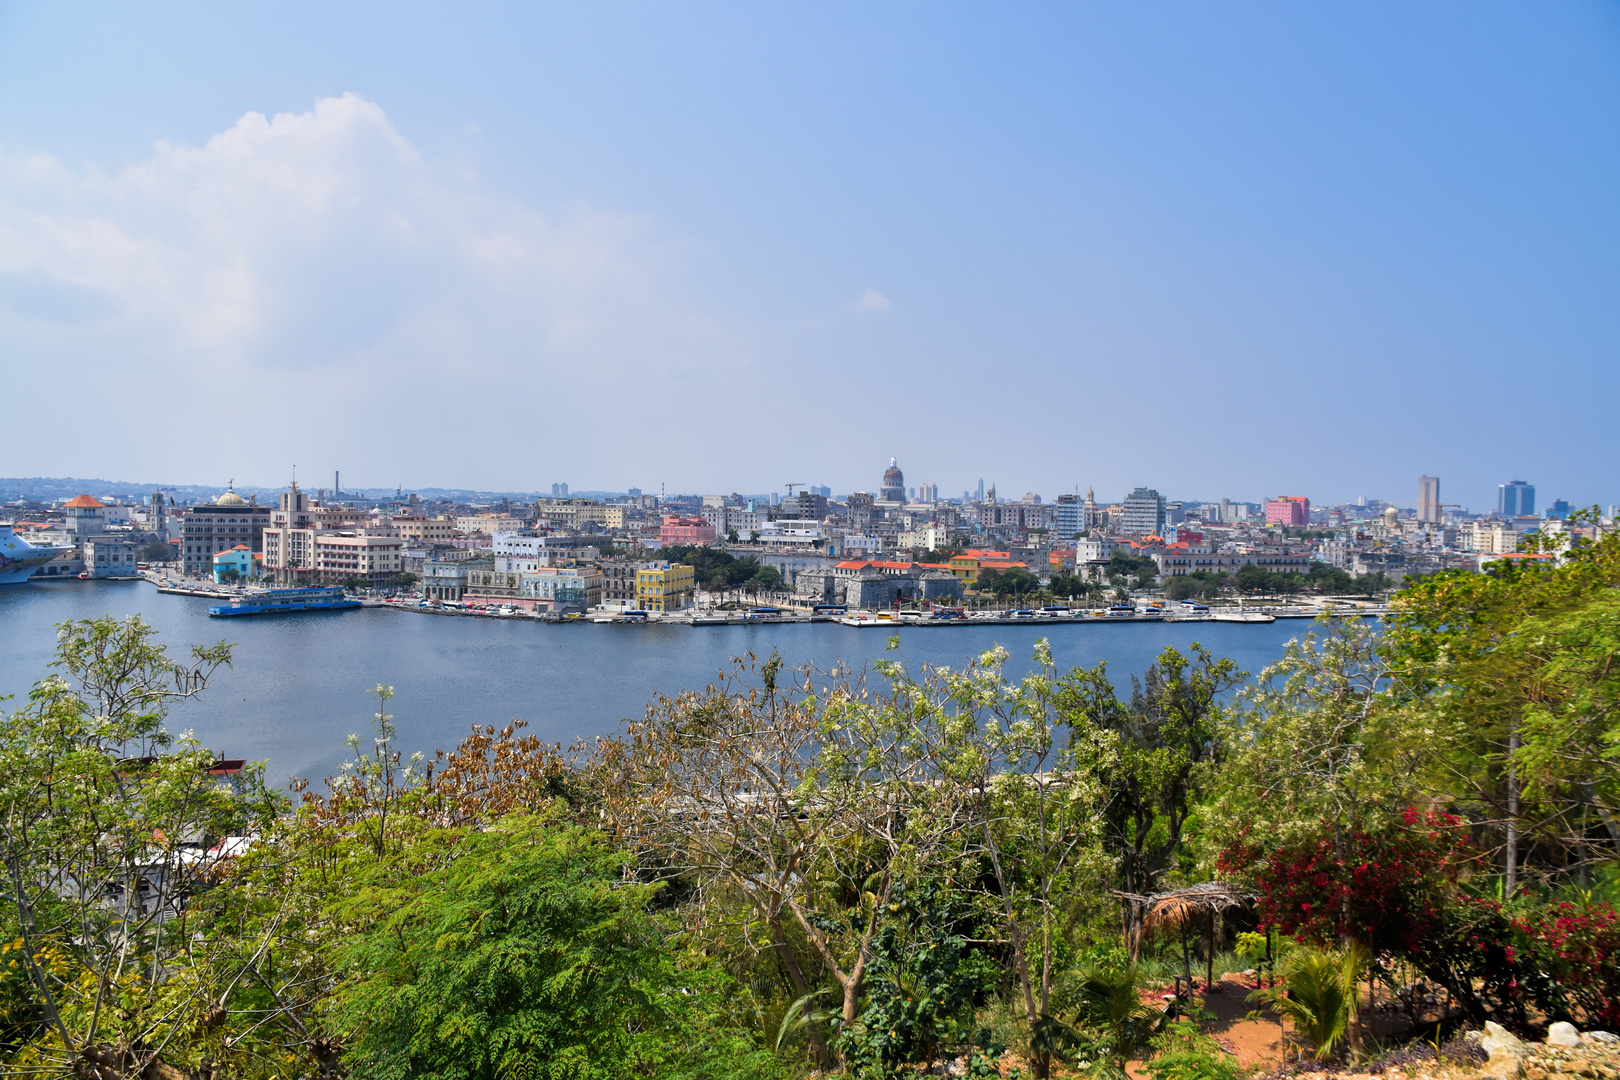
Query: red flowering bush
point(1386, 888)
point(1576, 954)
point(1393, 890)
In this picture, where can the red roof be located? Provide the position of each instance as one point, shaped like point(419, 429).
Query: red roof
point(86, 500)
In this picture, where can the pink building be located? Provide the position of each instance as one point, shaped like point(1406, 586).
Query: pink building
point(685, 530)
point(1294, 511)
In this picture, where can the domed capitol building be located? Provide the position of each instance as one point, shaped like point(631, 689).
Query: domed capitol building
point(894, 484)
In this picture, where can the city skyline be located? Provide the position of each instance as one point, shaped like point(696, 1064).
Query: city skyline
point(1424, 500)
point(1248, 249)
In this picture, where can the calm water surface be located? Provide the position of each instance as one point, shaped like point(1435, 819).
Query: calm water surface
point(299, 683)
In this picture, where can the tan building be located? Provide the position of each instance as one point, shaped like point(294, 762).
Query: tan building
point(307, 542)
point(372, 554)
point(430, 530)
point(573, 513)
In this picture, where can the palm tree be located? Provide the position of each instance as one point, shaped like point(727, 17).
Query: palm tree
point(1108, 1001)
point(1319, 993)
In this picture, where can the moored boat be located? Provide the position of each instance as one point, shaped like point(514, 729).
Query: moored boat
point(271, 601)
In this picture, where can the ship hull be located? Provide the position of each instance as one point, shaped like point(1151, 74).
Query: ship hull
point(19, 559)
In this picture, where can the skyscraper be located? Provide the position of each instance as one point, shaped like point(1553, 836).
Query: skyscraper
point(1516, 499)
point(1429, 499)
point(1143, 513)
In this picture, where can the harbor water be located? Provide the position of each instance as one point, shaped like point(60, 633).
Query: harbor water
point(299, 684)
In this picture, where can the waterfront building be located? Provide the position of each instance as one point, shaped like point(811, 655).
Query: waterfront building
point(109, 556)
point(241, 559)
point(893, 488)
point(306, 542)
point(619, 579)
point(83, 517)
point(1181, 559)
point(1142, 513)
point(563, 588)
point(484, 582)
point(210, 527)
point(445, 580)
point(665, 586)
point(1429, 499)
point(519, 552)
point(372, 554)
point(1516, 499)
point(1289, 511)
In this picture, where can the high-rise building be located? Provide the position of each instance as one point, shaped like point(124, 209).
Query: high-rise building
point(1143, 513)
point(1516, 499)
point(1069, 516)
point(1291, 511)
point(1429, 499)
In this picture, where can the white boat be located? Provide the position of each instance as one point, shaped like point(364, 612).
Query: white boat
point(1242, 616)
point(19, 559)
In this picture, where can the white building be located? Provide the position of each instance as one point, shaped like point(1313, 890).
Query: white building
point(1143, 513)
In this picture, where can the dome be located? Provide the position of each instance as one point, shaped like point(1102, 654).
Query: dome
point(230, 498)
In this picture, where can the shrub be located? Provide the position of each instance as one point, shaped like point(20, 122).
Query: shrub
point(1182, 1052)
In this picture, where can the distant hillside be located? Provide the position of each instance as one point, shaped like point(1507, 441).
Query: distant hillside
point(50, 488)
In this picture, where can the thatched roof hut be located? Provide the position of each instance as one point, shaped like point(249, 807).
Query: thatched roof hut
point(1182, 911)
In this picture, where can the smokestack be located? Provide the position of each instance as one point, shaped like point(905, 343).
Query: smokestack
point(336, 487)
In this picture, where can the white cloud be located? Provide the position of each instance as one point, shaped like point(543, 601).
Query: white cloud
point(319, 250)
point(873, 301)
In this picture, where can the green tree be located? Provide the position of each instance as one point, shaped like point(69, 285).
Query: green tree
point(111, 830)
point(1167, 735)
point(1015, 581)
point(519, 950)
point(1503, 703)
point(1254, 579)
point(156, 551)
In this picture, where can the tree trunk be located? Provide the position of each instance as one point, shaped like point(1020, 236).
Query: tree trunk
point(1511, 880)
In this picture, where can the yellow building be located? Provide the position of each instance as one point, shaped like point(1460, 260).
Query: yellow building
point(665, 588)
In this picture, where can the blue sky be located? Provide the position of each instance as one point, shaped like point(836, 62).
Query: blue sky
point(1232, 249)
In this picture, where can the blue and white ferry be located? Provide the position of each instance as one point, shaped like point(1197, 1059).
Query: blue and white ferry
point(270, 601)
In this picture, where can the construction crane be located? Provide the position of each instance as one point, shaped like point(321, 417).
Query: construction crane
point(794, 484)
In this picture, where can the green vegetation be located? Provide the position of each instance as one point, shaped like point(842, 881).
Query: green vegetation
point(1138, 568)
point(156, 551)
point(862, 874)
point(1014, 581)
point(718, 569)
